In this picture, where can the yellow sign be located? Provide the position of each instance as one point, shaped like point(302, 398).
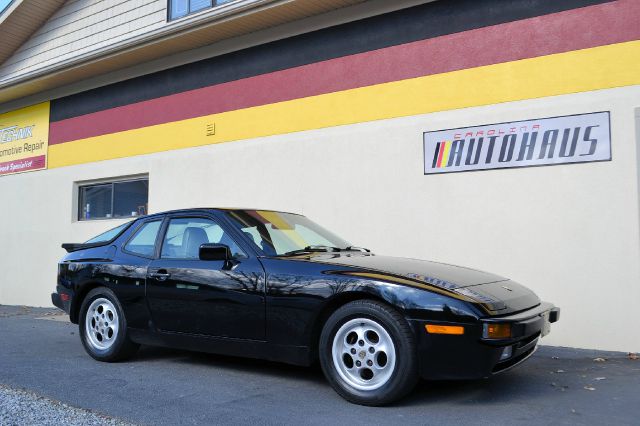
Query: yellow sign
point(24, 139)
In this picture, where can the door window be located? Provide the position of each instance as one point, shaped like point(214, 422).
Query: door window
point(185, 236)
point(144, 240)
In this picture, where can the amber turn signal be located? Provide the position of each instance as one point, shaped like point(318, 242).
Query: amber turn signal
point(444, 329)
point(497, 331)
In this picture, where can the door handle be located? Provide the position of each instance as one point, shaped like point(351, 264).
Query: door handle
point(161, 275)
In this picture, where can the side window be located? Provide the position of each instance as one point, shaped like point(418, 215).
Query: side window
point(109, 235)
point(253, 234)
point(185, 236)
point(144, 240)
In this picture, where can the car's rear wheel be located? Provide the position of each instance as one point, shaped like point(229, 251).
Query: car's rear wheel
point(368, 353)
point(103, 327)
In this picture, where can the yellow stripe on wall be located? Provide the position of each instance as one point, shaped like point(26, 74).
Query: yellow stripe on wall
point(602, 67)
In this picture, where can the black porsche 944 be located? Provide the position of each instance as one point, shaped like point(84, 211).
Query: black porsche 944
point(277, 286)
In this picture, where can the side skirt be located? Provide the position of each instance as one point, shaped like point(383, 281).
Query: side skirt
point(296, 355)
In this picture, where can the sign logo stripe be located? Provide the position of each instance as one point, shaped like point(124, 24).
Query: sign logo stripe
point(445, 157)
point(436, 155)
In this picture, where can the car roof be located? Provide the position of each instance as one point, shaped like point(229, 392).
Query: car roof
point(204, 209)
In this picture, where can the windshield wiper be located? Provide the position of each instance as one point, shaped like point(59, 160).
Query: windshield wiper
point(356, 248)
point(311, 249)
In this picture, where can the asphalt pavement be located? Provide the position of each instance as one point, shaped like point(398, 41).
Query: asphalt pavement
point(41, 356)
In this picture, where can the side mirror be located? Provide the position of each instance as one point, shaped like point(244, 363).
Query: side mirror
point(215, 252)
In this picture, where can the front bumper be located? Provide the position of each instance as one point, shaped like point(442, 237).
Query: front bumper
point(470, 356)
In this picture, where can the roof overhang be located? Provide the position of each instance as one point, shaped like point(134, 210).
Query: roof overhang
point(20, 20)
point(238, 18)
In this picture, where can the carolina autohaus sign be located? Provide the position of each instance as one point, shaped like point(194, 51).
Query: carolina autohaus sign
point(557, 140)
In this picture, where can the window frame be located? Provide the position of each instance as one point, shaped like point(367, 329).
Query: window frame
point(143, 222)
point(213, 6)
point(6, 7)
point(112, 183)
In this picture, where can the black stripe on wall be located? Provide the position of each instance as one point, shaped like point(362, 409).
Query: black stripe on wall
point(421, 22)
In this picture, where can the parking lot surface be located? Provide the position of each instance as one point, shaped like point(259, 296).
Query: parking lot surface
point(41, 353)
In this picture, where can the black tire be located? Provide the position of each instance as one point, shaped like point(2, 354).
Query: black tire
point(121, 347)
point(402, 377)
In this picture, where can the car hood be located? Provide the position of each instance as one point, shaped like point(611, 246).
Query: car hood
point(439, 274)
point(494, 292)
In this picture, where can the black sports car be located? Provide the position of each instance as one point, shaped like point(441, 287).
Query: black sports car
point(277, 286)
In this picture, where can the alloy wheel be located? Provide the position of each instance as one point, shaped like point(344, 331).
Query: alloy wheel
point(364, 354)
point(101, 324)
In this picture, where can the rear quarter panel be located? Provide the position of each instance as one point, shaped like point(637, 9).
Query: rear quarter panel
point(107, 266)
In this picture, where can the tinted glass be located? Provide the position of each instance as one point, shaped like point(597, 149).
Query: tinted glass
point(197, 5)
point(277, 233)
point(144, 240)
point(113, 199)
point(4, 4)
point(179, 8)
point(95, 202)
point(109, 235)
point(130, 198)
point(185, 236)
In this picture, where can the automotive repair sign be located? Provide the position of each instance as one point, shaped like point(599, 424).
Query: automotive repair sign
point(24, 139)
point(558, 140)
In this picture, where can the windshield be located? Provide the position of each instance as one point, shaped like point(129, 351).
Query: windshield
point(109, 235)
point(278, 233)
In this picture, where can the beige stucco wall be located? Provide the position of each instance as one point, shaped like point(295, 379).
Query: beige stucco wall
point(569, 232)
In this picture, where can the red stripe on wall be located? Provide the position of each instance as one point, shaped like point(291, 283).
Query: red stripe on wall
point(443, 147)
point(436, 155)
point(560, 32)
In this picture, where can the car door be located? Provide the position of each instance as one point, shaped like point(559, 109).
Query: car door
point(212, 298)
point(130, 270)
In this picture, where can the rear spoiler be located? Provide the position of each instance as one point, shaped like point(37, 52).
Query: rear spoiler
point(71, 247)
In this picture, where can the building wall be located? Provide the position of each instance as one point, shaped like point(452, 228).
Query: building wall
point(568, 232)
point(82, 26)
point(336, 134)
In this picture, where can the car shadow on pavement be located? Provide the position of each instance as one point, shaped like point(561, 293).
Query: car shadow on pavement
point(495, 390)
point(500, 389)
point(247, 365)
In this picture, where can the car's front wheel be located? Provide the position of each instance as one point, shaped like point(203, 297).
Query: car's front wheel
point(103, 327)
point(368, 353)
